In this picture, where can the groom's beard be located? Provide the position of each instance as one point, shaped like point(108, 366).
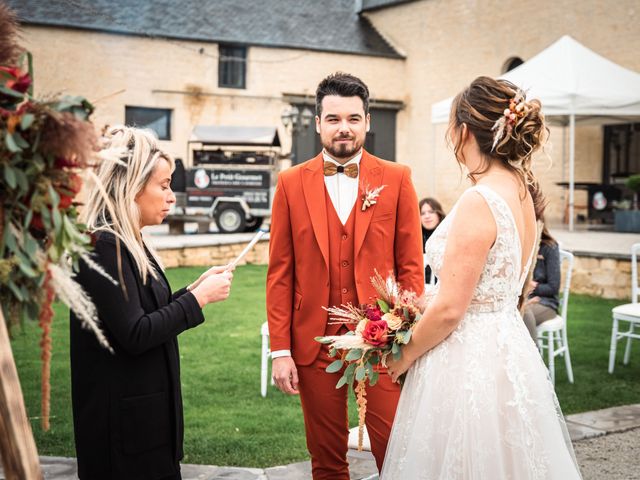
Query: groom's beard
point(343, 150)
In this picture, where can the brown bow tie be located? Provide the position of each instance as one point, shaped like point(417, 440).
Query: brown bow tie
point(350, 170)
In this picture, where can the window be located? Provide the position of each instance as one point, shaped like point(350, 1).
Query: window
point(511, 63)
point(621, 152)
point(232, 66)
point(156, 119)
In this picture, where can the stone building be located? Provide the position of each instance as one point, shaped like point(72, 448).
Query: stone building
point(174, 64)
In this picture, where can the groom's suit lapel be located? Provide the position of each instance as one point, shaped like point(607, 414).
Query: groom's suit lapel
point(370, 177)
point(313, 187)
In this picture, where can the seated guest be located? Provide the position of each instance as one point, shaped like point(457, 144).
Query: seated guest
point(543, 302)
point(431, 214)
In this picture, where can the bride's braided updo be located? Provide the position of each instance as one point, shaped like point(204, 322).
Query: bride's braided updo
point(508, 128)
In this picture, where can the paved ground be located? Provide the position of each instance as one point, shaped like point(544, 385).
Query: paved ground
point(607, 445)
point(579, 241)
point(596, 242)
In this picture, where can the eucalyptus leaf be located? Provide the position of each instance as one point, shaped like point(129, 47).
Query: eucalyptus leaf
point(57, 220)
point(23, 181)
point(21, 142)
point(373, 378)
point(30, 246)
point(342, 382)
point(27, 121)
point(350, 369)
point(10, 240)
point(407, 336)
point(53, 195)
point(360, 373)
point(11, 143)
point(354, 354)
point(368, 368)
point(10, 176)
point(383, 305)
point(27, 219)
point(334, 366)
point(27, 270)
point(15, 290)
point(11, 93)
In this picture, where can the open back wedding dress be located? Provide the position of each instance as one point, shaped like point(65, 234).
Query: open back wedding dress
point(481, 405)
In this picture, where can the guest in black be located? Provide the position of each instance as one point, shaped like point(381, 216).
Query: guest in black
point(543, 300)
point(127, 405)
point(431, 214)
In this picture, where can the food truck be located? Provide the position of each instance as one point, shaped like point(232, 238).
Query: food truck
point(229, 178)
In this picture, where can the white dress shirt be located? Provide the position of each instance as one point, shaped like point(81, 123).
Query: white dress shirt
point(343, 192)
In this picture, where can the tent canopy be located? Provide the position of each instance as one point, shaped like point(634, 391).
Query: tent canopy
point(569, 79)
point(232, 135)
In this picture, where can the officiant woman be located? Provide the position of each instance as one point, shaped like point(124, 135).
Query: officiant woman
point(127, 405)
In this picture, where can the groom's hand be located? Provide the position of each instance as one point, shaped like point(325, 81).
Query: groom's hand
point(285, 375)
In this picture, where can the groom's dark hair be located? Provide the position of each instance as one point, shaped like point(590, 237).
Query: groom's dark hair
point(343, 85)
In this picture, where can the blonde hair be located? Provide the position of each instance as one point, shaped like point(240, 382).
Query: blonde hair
point(129, 156)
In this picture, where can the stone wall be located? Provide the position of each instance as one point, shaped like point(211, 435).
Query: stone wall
point(601, 276)
point(210, 255)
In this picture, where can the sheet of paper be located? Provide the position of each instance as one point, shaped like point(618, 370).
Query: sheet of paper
point(248, 248)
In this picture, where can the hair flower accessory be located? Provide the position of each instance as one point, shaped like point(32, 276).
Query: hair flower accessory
point(369, 197)
point(510, 118)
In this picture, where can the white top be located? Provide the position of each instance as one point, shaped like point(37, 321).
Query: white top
point(343, 192)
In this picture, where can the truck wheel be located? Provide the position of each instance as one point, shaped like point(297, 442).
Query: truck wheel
point(230, 218)
point(254, 224)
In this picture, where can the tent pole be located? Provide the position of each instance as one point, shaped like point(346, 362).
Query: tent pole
point(572, 160)
point(564, 155)
point(432, 176)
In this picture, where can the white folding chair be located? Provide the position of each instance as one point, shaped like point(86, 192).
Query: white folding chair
point(353, 440)
point(629, 312)
point(432, 280)
point(552, 334)
point(266, 353)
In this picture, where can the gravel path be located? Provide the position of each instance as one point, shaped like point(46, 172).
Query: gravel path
point(612, 457)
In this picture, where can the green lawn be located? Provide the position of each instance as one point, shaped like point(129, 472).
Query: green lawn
point(227, 422)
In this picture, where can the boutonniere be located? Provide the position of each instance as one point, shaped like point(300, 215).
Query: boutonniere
point(370, 197)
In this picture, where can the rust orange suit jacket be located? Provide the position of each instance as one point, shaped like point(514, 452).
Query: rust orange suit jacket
point(387, 238)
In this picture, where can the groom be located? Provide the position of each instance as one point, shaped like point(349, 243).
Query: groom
point(325, 244)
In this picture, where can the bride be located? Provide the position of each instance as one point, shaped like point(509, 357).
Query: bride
point(477, 401)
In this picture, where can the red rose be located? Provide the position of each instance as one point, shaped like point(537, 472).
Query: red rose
point(75, 183)
point(373, 313)
point(65, 202)
point(375, 333)
point(62, 162)
point(69, 190)
point(15, 79)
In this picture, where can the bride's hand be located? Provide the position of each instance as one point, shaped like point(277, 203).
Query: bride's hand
point(395, 368)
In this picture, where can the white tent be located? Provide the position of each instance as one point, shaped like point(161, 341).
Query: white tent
point(574, 84)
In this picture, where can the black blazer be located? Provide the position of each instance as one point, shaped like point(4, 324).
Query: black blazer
point(127, 406)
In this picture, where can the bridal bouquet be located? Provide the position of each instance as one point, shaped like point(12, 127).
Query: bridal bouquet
point(381, 327)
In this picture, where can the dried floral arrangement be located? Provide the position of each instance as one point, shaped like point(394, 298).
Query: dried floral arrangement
point(46, 146)
point(380, 329)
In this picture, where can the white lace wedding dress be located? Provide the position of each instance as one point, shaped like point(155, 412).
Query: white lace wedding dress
point(481, 405)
